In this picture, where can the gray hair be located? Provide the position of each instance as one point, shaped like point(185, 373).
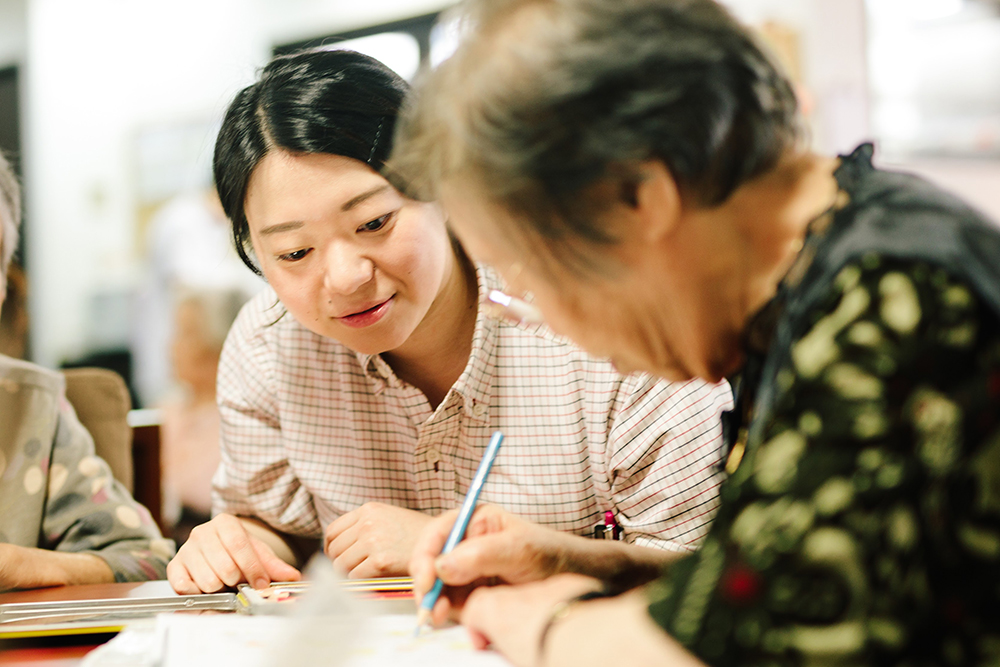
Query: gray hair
point(10, 217)
point(545, 99)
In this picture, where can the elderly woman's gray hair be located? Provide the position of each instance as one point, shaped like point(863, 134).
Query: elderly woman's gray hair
point(10, 218)
point(546, 98)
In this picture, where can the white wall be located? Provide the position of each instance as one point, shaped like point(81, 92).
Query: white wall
point(13, 28)
point(100, 70)
point(832, 54)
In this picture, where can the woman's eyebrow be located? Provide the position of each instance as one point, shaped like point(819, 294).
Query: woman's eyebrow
point(281, 227)
point(368, 194)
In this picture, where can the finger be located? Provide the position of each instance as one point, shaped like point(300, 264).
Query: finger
point(479, 641)
point(488, 519)
point(179, 578)
point(494, 555)
point(427, 548)
point(337, 528)
point(454, 599)
point(479, 610)
point(350, 559)
point(443, 611)
point(343, 541)
point(233, 556)
point(202, 573)
point(276, 569)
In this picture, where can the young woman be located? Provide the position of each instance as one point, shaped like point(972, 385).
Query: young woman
point(638, 166)
point(358, 394)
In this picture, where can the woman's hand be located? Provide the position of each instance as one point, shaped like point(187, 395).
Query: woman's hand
point(512, 618)
point(375, 540)
point(222, 553)
point(30, 567)
point(498, 548)
point(602, 632)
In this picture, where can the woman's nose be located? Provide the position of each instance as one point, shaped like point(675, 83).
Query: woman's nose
point(346, 269)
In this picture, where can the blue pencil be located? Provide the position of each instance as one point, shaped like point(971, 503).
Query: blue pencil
point(461, 524)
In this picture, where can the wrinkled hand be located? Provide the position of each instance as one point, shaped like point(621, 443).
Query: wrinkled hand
point(498, 548)
point(220, 554)
point(31, 567)
point(511, 618)
point(11, 557)
point(375, 540)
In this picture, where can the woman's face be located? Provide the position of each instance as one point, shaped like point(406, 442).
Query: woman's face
point(621, 315)
point(349, 257)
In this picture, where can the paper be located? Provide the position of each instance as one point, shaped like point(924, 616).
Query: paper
point(266, 641)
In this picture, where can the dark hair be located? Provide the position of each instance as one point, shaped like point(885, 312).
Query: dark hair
point(318, 101)
point(546, 98)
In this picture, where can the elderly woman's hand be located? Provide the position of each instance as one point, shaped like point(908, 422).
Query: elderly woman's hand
point(498, 548)
point(513, 619)
point(30, 567)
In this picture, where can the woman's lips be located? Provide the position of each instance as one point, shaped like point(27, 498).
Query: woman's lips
point(366, 318)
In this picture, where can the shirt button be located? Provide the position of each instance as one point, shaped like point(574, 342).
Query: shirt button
point(478, 409)
point(433, 455)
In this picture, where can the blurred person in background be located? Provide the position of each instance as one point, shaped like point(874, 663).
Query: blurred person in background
point(359, 391)
point(189, 424)
point(638, 166)
point(188, 248)
point(14, 322)
point(64, 519)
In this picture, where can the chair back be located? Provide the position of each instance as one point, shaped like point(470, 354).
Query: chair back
point(101, 400)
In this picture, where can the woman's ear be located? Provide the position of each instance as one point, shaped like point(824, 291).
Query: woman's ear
point(656, 201)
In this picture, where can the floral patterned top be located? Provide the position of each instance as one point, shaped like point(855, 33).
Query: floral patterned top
point(862, 525)
point(55, 493)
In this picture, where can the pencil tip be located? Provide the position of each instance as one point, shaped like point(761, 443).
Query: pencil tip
point(423, 616)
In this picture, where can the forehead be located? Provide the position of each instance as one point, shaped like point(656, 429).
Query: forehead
point(284, 184)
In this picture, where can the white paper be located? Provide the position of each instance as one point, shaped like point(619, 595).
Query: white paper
point(266, 641)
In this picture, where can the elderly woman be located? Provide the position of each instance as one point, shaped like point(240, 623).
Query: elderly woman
point(63, 517)
point(637, 165)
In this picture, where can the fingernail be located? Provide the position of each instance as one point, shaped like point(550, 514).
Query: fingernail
point(442, 564)
point(260, 583)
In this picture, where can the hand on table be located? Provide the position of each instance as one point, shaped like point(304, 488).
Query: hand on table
point(512, 618)
point(12, 560)
point(498, 548)
point(31, 567)
point(375, 540)
point(222, 553)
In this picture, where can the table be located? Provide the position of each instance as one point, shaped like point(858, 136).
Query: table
point(69, 651)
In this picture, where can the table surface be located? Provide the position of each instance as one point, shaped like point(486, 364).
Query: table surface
point(69, 650)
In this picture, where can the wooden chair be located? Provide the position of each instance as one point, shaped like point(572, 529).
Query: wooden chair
point(101, 400)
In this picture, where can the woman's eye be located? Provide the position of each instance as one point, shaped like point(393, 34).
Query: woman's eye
point(376, 224)
point(295, 255)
